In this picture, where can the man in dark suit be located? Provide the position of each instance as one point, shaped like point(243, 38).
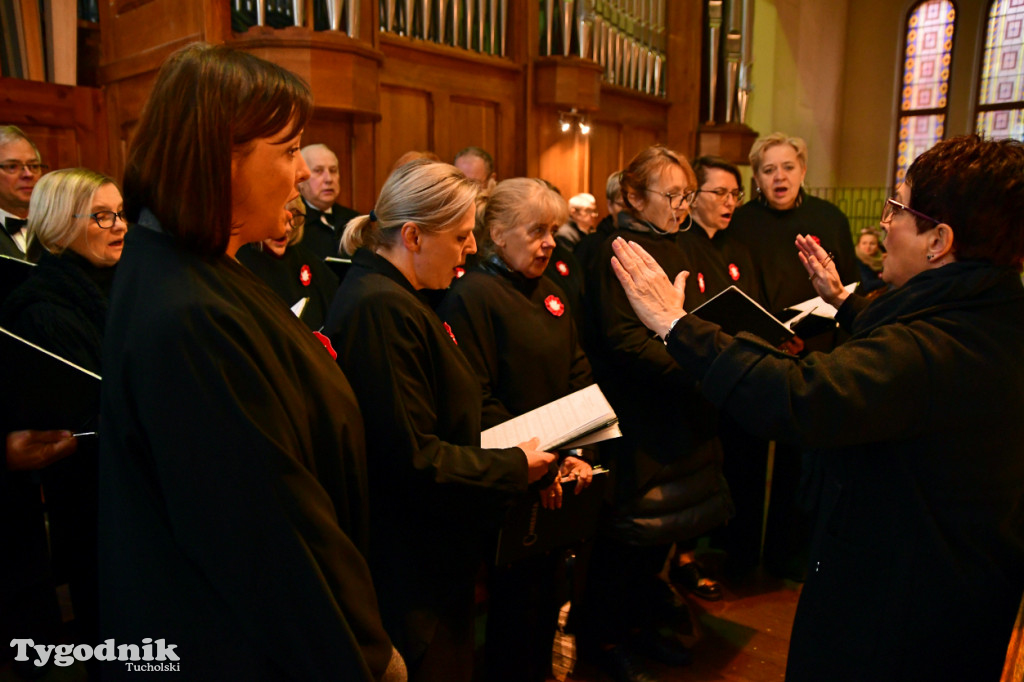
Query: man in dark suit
point(20, 168)
point(325, 219)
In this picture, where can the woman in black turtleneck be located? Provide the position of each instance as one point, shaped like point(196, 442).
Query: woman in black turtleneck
point(75, 215)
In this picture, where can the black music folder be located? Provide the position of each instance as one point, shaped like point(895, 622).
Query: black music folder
point(13, 271)
point(735, 312)
point(44, 391)
point(529, 529)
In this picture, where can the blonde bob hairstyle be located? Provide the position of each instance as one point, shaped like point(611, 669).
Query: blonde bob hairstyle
point(763, 144)
point(431, 194)
point(520, 203)
point(57, 197)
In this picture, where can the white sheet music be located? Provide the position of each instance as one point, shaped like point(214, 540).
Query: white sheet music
point(557, 423)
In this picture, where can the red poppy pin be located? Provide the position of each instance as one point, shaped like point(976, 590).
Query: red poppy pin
point(562, 268)
point(448, 329)
point(734, 272)
point(327, 344)
point(459, 271)
point(554, 305)
point(305, 275)
point(815, 238)
point(700, 281)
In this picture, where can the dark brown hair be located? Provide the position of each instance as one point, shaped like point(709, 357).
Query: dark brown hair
point(640, 173)
point(208, 104)
point(701, 166)
point(975, 186)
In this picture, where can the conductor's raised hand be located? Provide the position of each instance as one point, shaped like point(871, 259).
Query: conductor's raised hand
point(821, 269)
point(657, 301)
point(537, 461)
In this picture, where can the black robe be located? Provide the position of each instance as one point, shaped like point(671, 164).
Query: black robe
point(917, 564)
point(770, 236)
point(519, 338)
point(436, 495)
point(232, 478)
point(715, 264)
point(296, 275)
point(667, 466)
point(62, 307)
point(323, 231)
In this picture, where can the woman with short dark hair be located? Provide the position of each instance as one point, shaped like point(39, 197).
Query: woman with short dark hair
point(919, 548)
point(233, 513)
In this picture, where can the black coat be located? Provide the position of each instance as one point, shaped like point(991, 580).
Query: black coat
point(717, 263)
point(519, 338)
point(770, 236)
point(436, 495)
point(323, 231)
point(62, 307)
point(918, 559)
point(232, 478)
point(666, 468)
point(296, 275)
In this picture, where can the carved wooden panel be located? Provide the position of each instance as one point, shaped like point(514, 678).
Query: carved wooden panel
point(472, 122)
point(67, 123)
point(606, 156)
point(407, 124)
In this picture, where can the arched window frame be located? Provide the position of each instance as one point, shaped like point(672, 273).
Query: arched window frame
point(1009, 106)
point(909, 113)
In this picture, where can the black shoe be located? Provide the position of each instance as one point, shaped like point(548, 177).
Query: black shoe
point(662, 648)
point(625, 666)
point(689, 576)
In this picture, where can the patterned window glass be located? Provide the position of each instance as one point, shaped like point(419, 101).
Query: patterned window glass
point(926, 59)
point(1001, 89)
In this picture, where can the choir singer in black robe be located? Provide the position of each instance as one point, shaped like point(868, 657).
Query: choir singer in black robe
point(516, 328)
point(232, 463)
point(435, 493)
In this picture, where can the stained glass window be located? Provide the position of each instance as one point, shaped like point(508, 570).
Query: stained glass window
point(1001, 87)
point(927, 55)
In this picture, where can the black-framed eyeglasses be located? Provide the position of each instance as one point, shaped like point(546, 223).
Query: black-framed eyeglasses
point(676, 199)
point(105, 219)
point(721, 193)
point(14, 167)
point(892, 208)
point(297, 220)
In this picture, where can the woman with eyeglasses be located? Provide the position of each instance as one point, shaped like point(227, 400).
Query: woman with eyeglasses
point(233, 503)
point(667, 475)
point(919, 546)
point(779, 212)
point(75, 216)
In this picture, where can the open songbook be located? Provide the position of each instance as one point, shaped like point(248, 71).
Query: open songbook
point(735, 312)
point(43, 390)
point(577, 419)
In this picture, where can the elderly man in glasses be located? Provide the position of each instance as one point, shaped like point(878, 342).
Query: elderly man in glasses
point(20, 168)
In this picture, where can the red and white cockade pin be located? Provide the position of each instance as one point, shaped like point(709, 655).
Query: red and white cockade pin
point(562, 268)
point(734, 272)
point(700, 281)
point(459, 271)
point(554, 305)
point(305, 275)
point(448, 329)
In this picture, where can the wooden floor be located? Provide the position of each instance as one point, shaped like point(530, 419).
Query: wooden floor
point(742, 638)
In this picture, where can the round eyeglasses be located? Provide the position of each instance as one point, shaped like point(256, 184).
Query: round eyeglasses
point(676, 199)
point(105, 219)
